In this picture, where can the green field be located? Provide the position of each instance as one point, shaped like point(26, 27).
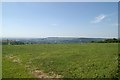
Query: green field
point(87, 60)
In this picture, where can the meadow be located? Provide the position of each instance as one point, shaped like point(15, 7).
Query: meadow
point(82, 60)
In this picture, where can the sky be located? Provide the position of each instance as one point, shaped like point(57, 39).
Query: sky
point(60, 0)
point(60, 19)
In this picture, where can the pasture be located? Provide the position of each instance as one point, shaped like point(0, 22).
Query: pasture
point(87, 60)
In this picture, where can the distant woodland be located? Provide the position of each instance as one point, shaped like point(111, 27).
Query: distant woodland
point(15, 42)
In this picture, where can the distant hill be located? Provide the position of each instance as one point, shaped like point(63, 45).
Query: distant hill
point(54, 40)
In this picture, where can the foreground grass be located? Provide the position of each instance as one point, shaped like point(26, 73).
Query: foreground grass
point(89, 60)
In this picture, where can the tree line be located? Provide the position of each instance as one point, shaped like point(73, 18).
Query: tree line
point(114, 40)
point(13, 42)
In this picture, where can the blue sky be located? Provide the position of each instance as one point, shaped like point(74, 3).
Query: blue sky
point(52, 19)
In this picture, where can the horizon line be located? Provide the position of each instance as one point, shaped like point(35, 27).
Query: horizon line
point(58, 37)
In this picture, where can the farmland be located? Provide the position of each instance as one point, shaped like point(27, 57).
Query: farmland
point(82, 60)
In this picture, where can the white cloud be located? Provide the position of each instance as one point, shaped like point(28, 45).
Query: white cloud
point(99, 18)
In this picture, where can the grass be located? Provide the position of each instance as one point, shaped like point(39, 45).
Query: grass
point(88, 60)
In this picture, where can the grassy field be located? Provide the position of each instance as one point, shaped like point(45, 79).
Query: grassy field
point(87, 60)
